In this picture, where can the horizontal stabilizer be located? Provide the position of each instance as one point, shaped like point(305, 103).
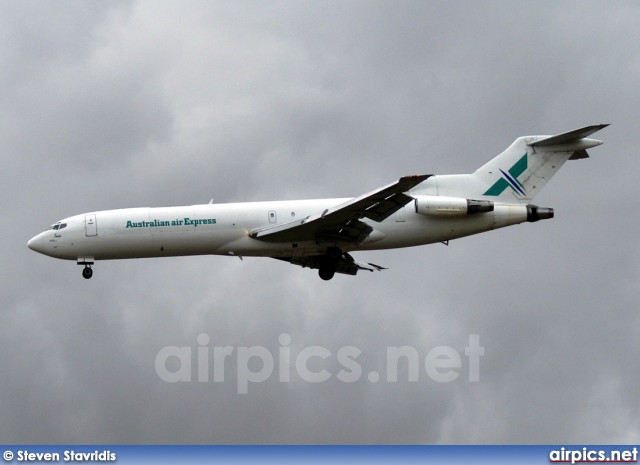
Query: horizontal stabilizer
point(568, 137)
point(577, 155)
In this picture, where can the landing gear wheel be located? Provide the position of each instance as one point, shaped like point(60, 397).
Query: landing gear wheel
point(87, 272)
point(334, 254)
point(328, 263)
point(326, 272)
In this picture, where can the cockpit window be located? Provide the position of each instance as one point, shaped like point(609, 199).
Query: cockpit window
point(57, 226)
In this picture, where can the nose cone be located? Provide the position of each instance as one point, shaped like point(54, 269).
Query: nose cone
point(36, 243)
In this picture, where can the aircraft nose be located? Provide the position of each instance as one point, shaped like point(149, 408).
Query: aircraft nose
point(36, 243)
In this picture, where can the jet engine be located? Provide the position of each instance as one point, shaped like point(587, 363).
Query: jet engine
point(435, 205)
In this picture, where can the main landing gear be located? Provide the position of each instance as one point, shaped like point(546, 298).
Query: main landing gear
point(328, 263)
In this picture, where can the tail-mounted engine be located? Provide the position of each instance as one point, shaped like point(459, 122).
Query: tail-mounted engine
point(535, 213)
point(434, 205)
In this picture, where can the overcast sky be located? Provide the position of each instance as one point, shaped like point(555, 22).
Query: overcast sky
point(119, 104)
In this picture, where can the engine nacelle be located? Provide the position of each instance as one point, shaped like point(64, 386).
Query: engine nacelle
point(535, 213)
point(435, 205)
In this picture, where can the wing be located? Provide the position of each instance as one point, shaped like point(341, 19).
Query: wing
point(345, 265)
point(343, 222)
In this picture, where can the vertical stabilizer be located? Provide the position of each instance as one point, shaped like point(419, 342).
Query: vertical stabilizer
point(522, 170)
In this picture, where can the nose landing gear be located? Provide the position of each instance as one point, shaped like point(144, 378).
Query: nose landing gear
point(87, 272)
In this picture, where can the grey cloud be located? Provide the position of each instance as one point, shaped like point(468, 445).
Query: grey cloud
point(109, 105)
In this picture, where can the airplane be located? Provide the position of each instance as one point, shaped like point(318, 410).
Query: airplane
point(321, 234)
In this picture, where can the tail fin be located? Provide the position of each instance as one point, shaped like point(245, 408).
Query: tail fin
point(521, 171)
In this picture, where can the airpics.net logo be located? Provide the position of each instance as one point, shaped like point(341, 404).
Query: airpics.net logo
point(313, 364)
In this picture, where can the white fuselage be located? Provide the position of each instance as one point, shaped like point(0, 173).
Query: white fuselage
point(320, 234)
point(223, 229)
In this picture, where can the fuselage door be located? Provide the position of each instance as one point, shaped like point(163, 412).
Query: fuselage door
point(90, 225)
